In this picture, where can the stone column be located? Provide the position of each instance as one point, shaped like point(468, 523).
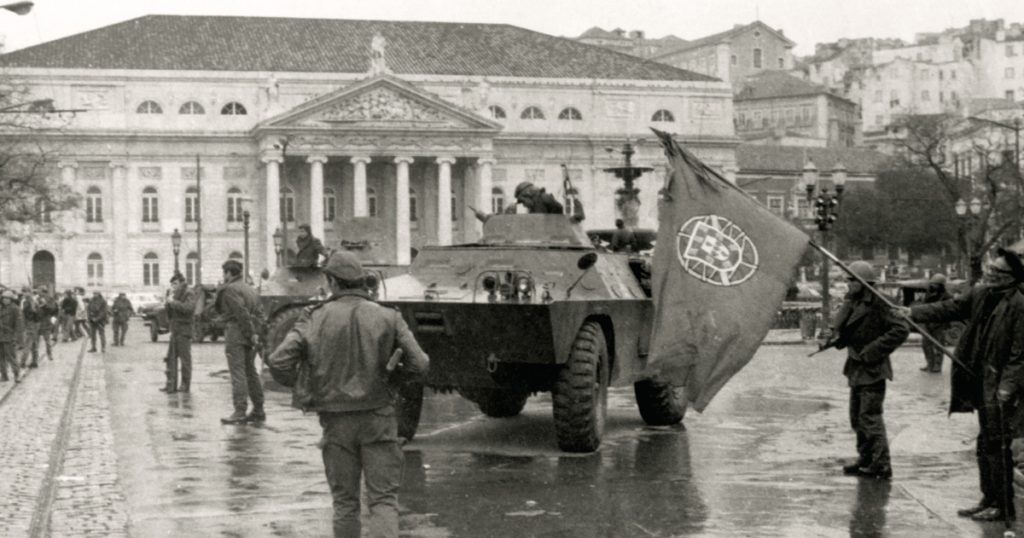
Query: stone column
point(444, 200)
point(402, 233)
point(359, 185)
point(484, 184)
point(115, 270)
point(272, 209)
point(316, 194)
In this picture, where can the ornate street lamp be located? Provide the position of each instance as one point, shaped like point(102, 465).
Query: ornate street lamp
point(176, 247)
point(969, 213)
point(628, 200)
point(826, 205)
point(278, 245)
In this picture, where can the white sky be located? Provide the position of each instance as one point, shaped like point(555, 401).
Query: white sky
point(804, 21)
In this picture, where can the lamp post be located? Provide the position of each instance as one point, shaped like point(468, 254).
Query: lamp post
point(969, 213)
point(176, 247)
point(245, 236)
point(278, 244)
point(826, 205)
point(628, 200)
point(1016, 128)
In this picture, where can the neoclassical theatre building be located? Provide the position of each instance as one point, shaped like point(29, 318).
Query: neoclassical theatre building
point(382, 134)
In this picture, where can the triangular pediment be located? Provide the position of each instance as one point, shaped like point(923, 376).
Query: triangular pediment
point(383, 102)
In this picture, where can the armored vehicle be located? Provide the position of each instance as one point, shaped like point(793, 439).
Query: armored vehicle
point(532, 307)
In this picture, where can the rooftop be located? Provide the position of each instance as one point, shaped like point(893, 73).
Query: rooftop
point(752, 158)
point(726, 36)
point(202, 43)
point(775, 84)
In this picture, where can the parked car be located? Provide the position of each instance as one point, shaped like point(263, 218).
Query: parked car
point(206, 325)
point(144, 302)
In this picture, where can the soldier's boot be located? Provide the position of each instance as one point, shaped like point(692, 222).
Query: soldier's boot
point(256, 416)
point(186, 382)
point(238, 417)
point(169, 388)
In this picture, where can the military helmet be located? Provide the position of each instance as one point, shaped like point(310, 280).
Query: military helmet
point(864, 270)
point(937, 278)
point(522, 187)
point(344, 265)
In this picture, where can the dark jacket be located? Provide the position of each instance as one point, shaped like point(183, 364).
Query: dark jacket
point(30, 311)
point(991, 347)
point(239, 306)
point(623, 240)
point(310, 250)
point(337, 352)
point(870, 331)
point(48, 310)
point(68, 305)
point(97, 311)
point(12, 325)
point(122, 309)
point(181, 311)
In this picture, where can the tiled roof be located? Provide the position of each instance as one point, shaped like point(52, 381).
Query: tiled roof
point(726, 35)
point(791, 159)
point(977, 106)
point(772, 84)
point(165, 42)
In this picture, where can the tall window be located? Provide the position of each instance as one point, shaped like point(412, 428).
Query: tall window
point(782, 63)
point(1010, 73)
point(150, 207)
point(330, 205)
point(663, 115)
point(94, 205)
point(191, 204)
point(191, 108)
point(150, 269)
point(1009, 95)
point(570, 113)
point(732, 59)
point(94, 270)
point(287, 205)
point(234, 204)
point(775, 204)
point(149, 107)
point(757, 59)
point(497, 201)
point(532, 113)
point(412, 206)
point(191, 268)
point(43, 212)
point(371, 202)
point(233, 109)
point(496, 112)
point(925, 96)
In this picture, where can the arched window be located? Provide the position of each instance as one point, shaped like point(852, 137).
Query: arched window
point(235, 204)
point(330, 205)
point(497, 112)
point(663, 115)
point(191, 268)
point(191, 204)
point(287, 205)
point(150, 205)
point(570, 113)
point(94, 205)
point(151, 269)
point(497, 201)
point(532, 113)
point(191, 108)
point(149, 107)
point(371, 203)
point(94, 270)
point(412, 206)
point(233, 109)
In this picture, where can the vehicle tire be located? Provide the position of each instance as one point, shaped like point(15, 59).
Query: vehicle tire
point(278, 326)
point(496, 403)
point(154, 332)
point(408, 407)
point(580, 394)
point(660, 404)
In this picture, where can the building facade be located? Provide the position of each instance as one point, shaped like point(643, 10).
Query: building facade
point(734, 55)
point(778, 108)
point(362, 129)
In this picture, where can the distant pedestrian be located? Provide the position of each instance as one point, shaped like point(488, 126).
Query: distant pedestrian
point(82, 315)
point(336, 358)
point(180, 305)
point(122, 310)
point(98, 314)
point(68, 308)
point(238, 305)
point(989, 373)
point(31, 317)
point(870, 331)
point(623, 239)
point(932, 353)
point(11, 335)
point(48, 327)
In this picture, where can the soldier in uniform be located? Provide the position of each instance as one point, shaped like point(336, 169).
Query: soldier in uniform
point(180, 307)
point(49, 311)
point(122, 310)
point(11, 334)
point(98, 313)
point(68, 307)
point(238, 304)
point(536, 199)
point(870, 331)
point(336, 357)
point(32, 318)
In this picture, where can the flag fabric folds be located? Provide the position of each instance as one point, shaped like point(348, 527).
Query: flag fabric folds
point(721, 268)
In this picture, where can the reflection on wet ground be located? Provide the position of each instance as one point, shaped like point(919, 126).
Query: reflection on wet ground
point(761, 461)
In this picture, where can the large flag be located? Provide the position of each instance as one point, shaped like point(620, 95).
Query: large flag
point(721, 268)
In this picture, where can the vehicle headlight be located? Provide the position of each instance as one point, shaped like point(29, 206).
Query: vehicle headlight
point(523, 285)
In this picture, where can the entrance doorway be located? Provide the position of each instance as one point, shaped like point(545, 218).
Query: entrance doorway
point(44, 270)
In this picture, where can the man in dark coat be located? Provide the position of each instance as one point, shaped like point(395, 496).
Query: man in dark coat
point(68, 307)
point(624, 239)
point(935, 293)
point(310, 248)
point(12, 332)
point(122, 310)
point(535, 199)
point(870, 331)
point(989, 372)
point(32, 317)
point(98, 314)
point(238, 304)
point(180, 305)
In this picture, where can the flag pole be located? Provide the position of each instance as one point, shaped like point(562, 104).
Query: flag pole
point(869, 287)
